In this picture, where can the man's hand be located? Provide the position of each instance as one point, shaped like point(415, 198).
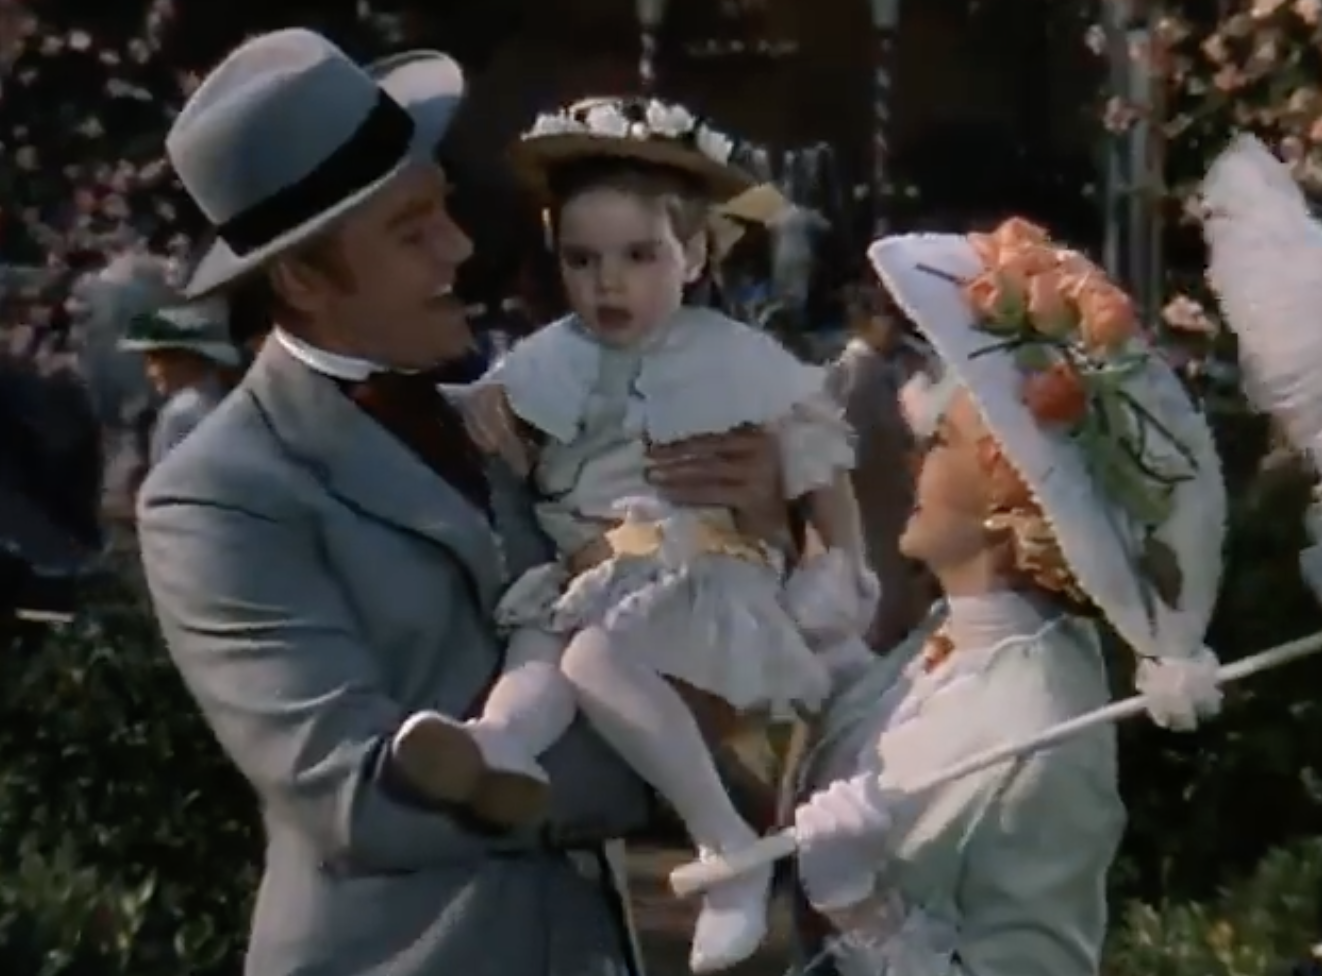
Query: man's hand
point(739, 470)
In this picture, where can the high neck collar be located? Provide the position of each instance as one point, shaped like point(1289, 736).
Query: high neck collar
point(977, 622)
point(350, 369)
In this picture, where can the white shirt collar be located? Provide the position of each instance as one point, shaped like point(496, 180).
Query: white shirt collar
point(347, 368)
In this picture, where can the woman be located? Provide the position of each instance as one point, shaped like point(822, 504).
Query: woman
point(190, 362)
point(1066, 478)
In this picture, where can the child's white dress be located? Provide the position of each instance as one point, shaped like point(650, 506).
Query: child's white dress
point(701, 604)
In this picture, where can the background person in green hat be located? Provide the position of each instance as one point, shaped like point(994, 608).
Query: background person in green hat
point(190, 361)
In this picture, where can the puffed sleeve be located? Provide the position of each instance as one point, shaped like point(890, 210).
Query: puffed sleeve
point(1032, 900)
point(816, 444)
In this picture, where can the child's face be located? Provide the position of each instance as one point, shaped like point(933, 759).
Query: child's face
point(623, 267)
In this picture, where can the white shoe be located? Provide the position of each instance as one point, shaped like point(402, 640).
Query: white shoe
point(482, 768)
point(732, 923)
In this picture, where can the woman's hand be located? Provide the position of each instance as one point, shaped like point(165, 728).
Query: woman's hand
point(738, 470)
point(493, 427)
point(842, 834)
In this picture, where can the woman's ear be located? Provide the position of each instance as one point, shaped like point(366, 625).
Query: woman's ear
point(696, 254)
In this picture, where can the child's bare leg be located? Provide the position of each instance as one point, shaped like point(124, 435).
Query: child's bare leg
point(488, 763)
point(648, 722)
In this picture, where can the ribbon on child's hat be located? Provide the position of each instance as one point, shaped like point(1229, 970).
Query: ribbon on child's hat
point(698, 876)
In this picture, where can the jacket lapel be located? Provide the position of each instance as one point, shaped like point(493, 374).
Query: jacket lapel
point(367, 468)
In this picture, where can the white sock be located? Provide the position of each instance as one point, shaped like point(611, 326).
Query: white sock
point(647, 722)
point(531, 700)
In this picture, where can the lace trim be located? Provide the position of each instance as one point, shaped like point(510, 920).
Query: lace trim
point(894, 942)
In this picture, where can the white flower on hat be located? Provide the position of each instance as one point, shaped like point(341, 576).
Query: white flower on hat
point(671, 121)
point(606, 120)
point(551, 124)
point(716, 146)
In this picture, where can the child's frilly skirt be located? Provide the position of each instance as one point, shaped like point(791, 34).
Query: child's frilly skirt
point(694, 601)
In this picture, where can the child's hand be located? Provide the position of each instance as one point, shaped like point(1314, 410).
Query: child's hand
point(492, 425)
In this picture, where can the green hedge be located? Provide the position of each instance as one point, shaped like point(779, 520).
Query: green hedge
point(136, 844)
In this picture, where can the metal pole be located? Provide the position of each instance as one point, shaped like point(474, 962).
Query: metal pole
point(1115, 16)
point(650, 15)
point(1141, 189)
point(885, 24)
point(1156, 198)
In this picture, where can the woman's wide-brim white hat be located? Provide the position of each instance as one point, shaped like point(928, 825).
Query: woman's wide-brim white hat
point(273, 114)
point(1096, 537)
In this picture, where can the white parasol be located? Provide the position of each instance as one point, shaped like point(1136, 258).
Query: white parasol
point(698, 876)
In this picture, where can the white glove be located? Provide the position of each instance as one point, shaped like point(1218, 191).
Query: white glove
point(832, 597)
point(842, 834)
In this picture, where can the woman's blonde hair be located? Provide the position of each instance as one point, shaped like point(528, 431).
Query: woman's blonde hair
point(1015, 514)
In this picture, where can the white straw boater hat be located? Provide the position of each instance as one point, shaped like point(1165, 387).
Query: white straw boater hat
point(288, 134)
point(644, 129)
point(200, 327)
point(1119, 459)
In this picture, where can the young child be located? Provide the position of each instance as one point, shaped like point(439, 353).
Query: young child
point(665, 627)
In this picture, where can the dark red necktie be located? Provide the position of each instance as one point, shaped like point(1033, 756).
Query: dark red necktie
point(411, 408)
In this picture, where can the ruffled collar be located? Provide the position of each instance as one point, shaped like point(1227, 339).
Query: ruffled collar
point(978, 623)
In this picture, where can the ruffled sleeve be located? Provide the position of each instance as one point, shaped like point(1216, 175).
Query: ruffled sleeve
point(816, 444)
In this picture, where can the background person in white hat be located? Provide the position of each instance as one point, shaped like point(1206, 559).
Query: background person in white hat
point(1066, 476)
point(190, 361)
point(324, 553)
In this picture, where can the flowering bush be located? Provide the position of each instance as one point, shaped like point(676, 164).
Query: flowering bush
point(1254, 65)
point(1248, 930)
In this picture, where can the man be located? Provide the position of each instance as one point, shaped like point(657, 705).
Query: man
point(324, 551)
point(866, 378)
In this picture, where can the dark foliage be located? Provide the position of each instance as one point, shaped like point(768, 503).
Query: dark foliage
point(129, 844)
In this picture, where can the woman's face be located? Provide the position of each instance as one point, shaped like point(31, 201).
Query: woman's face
point(171, 370)
point(623, 267)
point(952, 496)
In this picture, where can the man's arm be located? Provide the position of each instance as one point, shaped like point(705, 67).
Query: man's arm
point(263, 641)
